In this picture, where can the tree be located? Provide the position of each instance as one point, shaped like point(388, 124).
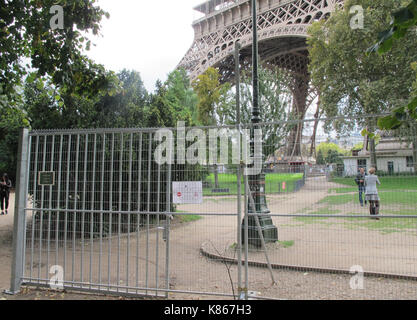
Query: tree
point(52, 107)
point(402, 119)
point(275, 100)
point(125, 107)
point(330, 151)
point(209, 91)
point(320, 159)
point(11, 121)
point(334, 157)
point(351, 82)
point(210, 94)
point(173, 101)
point(26, 34)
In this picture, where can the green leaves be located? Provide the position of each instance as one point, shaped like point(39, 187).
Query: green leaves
point(209, 92)
point(403, 19)
point(25, 33)
point(399, 116)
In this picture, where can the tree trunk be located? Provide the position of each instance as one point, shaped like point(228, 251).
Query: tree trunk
point(372, 151)
point(372, 144)
point(216, 177)
point(415, 153)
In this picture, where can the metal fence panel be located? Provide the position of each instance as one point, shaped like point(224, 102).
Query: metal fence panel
point(108, 217)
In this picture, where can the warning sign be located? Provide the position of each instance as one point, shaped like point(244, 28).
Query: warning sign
point(187, 192)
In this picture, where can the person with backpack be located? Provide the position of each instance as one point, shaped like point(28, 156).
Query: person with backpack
point(5, 186)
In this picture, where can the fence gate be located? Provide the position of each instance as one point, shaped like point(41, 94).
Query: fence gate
point(91, 212)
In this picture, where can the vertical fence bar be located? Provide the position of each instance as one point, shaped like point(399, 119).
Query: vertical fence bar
point(110, 209)
point(158, 200)
point(119, 230)
point(246, 236)
point(58, 206)
point(67, 195)
point(26, 201)
point(129, 207)
point(148, 210)
point(20, 214)
point(50, 207)
point(101, 205)
point(167, 227)
point(45, 140)
point(239, 172)
point(35, 177)
point(74, 217)
point(84, 206)
point(93, 190)
point(138, 215)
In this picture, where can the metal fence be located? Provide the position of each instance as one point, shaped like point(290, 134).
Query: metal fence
point(96, 209)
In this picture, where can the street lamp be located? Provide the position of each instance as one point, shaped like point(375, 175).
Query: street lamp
point(257, 182)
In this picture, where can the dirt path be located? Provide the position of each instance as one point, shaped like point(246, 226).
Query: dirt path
point(330, 243)
point(6, 236)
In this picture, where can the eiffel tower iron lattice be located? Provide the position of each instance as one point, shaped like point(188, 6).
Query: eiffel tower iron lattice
point(279, 40)
point(282, 32)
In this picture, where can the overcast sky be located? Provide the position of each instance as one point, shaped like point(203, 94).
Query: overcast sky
point(147, 36)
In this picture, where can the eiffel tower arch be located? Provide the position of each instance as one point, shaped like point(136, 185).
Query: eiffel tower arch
point(282, 32)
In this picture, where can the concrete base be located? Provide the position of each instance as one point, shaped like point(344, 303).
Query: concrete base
point(269, 231)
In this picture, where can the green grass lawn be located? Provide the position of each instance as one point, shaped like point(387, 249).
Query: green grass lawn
point(398, 197)
point(387, 183)
point(273, 183)
point(408, 198)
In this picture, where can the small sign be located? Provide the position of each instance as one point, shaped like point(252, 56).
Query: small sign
point(46, 178)
point(187, 192)
point(284, 186)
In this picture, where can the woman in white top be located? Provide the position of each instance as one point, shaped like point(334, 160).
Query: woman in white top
point(371, 193)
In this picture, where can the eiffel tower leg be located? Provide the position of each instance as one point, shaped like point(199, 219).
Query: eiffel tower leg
point(300, 94)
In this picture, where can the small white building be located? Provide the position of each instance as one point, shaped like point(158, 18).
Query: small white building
point(393, 156)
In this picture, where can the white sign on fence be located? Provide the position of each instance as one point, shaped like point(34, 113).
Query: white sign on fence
point(187, 192)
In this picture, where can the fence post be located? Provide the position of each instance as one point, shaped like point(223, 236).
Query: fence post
point(20, 214)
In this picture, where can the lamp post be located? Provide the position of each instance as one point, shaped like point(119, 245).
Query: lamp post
point(257, 182)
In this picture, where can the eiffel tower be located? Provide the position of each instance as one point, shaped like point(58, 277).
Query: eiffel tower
point(282, 32)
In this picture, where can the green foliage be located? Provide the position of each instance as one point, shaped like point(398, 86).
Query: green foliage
point(320, 158)
point(57, 54)
point(11, 121)
point(329, 153)
point(350, 81)
point(358, 146)
point(124, 108)
point(173, 101)
point(210, 94)
point(275, 102)
point(402, 20)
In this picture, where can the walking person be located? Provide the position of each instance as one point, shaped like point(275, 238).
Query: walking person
point(360, 181)
point(372, 192)
point(5, 186)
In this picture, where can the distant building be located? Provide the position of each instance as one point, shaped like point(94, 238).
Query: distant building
point(393, 156)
